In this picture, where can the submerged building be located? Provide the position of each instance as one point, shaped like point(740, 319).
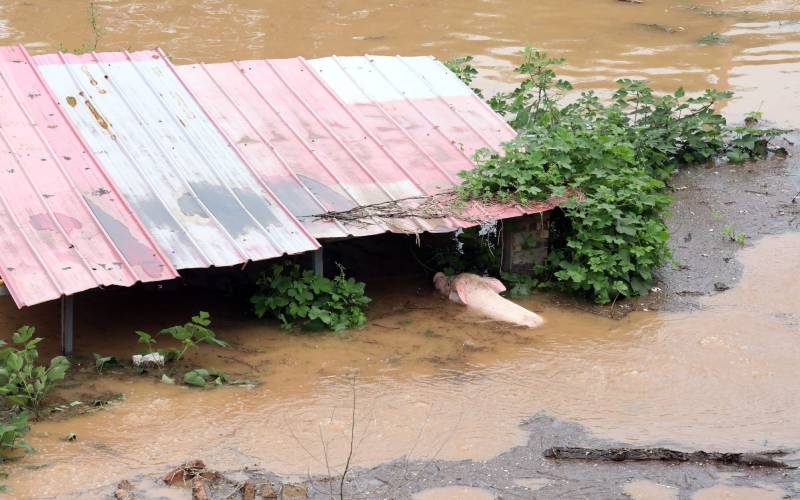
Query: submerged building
point(121, 168)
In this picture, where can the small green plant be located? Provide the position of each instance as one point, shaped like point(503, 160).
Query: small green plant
point(23, 383)
point(520, 285)
point(299, 296)
point(190, 335)
point(464, 70)
point(12, 437)
point(748, 141)
point(713, 38)
point(97, 32)
point(12, 432)
point(731, 234)
point(101, 362)
point(146, 339)
point(201, 377)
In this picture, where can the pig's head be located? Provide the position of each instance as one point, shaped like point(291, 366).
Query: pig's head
point(442, 283)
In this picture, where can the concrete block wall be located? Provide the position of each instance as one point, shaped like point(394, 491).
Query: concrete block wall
point(525, 241)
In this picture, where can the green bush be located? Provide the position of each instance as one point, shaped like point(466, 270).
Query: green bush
point(23, 383)
point(299, 296)
point(616, 157)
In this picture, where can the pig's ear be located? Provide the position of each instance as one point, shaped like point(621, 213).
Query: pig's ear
point(461, 290)
point(495, 284)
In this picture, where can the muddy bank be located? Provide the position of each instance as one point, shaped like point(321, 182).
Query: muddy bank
point(523, 472)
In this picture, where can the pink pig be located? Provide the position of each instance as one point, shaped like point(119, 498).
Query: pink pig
point(482, 295)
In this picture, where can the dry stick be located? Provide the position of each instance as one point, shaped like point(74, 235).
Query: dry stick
point(437, 206)
point(763, 459)
point(352, 434)
point(327, 463)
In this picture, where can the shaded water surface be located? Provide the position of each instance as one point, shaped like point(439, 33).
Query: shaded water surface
point(431, 383)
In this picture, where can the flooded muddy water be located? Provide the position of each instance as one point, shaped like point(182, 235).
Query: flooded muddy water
point(648, 490)
point(425, 379)
point(450, 492)
point(602, 40)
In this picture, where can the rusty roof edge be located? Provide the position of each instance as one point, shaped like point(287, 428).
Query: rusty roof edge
point(90, 154)
point(239, 154)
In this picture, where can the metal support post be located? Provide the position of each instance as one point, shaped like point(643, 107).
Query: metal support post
point(316, 262)
point(67, 323)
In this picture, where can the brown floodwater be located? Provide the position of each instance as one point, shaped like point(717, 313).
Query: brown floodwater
point(602, 39)
point(427, 381)
point(431, 383)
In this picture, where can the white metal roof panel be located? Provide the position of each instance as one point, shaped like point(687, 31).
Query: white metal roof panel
point(193, 191)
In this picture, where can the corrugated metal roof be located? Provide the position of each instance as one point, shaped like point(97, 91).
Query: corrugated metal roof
point(64, 227)
point(123, 168)
point(336, 133)
point(194, 192)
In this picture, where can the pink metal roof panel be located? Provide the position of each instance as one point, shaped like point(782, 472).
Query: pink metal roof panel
point(197, 195)
point(336, 133)
point(64, 227)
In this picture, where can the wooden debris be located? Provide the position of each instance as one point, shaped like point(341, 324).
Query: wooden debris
point(268, 492)
point(294, 492)
point(763, 459)
point(249, 491)
point(199, 489)
point(189, 471)
point(124, 491)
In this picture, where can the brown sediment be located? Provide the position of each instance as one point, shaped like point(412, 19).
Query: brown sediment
point(97, 116)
